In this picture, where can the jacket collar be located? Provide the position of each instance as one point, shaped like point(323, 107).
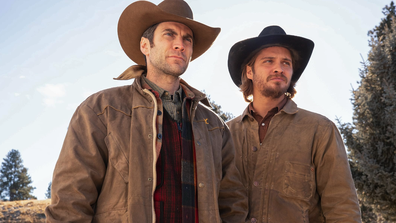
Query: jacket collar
point(290, 108)
point(136, 71)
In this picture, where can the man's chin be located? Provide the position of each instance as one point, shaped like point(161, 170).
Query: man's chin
point(273, 93)
point(176, 71)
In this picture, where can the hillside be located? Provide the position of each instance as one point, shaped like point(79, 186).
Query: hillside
point(28, 211)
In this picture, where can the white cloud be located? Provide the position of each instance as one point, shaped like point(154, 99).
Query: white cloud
point(52, 93)
point(16, 94)
point(22, 77)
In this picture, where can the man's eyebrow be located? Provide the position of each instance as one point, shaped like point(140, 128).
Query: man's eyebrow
point(169, 30)
point(263, 58)
point(174, 32)
point(285, 58)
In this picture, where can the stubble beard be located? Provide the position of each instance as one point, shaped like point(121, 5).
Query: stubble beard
point(159, 63)
point(169, 70)
point(269, 91)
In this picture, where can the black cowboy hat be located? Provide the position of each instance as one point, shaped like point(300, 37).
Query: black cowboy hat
point(270, 36)
point(140, 15)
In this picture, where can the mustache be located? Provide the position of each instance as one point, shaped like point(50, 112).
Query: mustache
point(179, 54)
point(277, 76)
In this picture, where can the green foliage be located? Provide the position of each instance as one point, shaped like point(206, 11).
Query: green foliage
point(48, 193)
point(14, 179)
point(371, 139)
point(378, 33)
point(217, 109)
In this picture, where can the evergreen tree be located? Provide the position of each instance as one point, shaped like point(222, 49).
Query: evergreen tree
point(48, 193)
point(371, 138)
point(15, 181)
point(378, 33)
point(217, 109)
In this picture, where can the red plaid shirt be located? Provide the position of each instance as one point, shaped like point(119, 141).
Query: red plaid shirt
point(168, 196)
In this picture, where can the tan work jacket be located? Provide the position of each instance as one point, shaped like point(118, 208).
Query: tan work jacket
point(106, 171)
point(302, 172)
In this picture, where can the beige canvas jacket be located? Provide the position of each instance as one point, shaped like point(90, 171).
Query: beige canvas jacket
point(106, 169)
point(302, 172)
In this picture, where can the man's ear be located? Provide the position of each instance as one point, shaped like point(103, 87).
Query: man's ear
point(249, 72)
point(145, 46)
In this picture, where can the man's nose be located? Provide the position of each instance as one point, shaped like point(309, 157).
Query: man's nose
point(178, 44)
point(278, 68)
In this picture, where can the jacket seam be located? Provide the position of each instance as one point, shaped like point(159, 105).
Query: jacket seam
point(142, 106)
point(109, 106)
point(104, 125)
point(216, 128)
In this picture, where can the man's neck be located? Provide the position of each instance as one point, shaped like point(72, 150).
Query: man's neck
point(167, 82)
point(263, 104)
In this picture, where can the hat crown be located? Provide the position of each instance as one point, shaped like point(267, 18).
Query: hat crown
point(176, 7)
point(272, 30)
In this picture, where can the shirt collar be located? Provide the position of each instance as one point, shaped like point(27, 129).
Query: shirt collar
point(275, 109)
point(163, 94)
point(289, 108)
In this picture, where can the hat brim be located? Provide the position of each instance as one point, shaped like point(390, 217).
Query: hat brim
point(140, 15)
point(241, 50)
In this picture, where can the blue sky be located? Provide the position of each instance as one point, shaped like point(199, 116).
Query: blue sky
point(54, 54)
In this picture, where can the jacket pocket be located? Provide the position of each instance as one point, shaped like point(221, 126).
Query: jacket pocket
point(298, 181)
point(117, 157)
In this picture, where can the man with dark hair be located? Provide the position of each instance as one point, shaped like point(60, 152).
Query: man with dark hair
point(150, 152)
point(293, 162)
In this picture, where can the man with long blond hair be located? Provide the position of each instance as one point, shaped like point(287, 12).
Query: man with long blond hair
point(293, 162)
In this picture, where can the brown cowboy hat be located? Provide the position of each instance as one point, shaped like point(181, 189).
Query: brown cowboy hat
point(270, 36)
point(140, 15)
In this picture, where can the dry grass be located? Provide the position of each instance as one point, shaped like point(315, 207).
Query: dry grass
point(29, 211)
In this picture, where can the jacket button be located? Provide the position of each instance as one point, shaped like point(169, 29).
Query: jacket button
point(253, 220)
point(198, 143)
point(159, 112)
point(256, 183)
point(159, 136)
point(149, 136)
point(254, 149)
point(149, 179)
point(201, 185)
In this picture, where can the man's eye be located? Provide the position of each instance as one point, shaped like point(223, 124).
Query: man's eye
point(168, 34)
